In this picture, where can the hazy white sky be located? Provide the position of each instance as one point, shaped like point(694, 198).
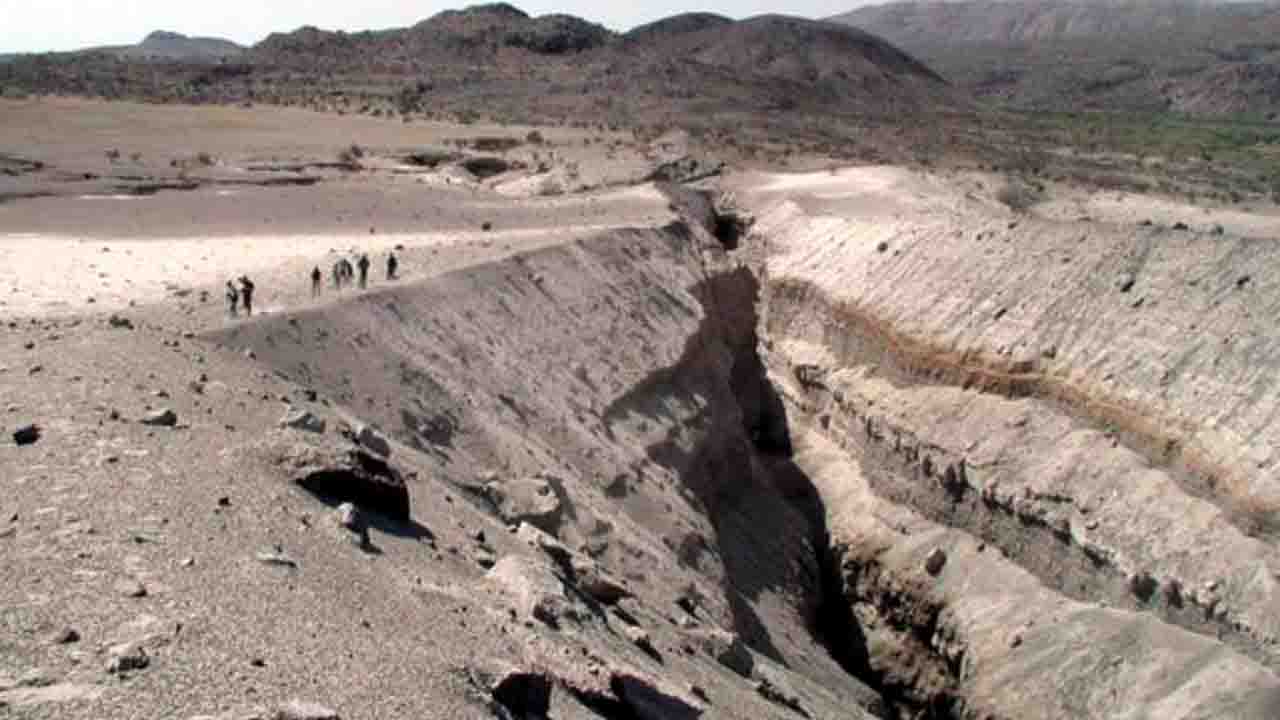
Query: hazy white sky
point(37, 25)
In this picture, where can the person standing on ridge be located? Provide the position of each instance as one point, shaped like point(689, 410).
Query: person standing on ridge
point(316, 277)
point(363, 264)
point(392, 265)
point(233, 298)
point(246, 291)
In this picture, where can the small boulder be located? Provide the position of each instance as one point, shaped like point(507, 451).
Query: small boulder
point(1125, 281)
point(523, 694)
point(646, 699)
point(534, 589)
point(26, 435)
point(935, 561)
point(540, 540)
point(304, 420)
point(277, 557)
point(371, 439)
point(531, 499)
point(120, 322)
point(130, 588)
point(127, 657)
point(771, 689)
point(727, 648)
point(160, 418)
point(65, 636)
point(299, 710)
point(595, 581)
point(641, 640)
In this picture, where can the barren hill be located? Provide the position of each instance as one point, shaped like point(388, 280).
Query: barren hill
point(1182, 55)
point(163, 45)
point(496, 61)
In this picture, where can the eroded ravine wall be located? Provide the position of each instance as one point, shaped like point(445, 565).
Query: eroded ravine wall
point(1031, 399)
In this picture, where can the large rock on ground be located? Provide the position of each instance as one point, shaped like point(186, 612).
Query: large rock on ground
point(26, 435)
point(586, 574)
point(160, 418)
point(595, 581)
point(646, 699)
point(340, 474)
point(371, 439)
point(535, 590)
point(298, 419)
point(522, 693)
point(534, 500)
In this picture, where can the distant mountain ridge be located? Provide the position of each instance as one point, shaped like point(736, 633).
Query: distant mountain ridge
point(1180, 55)
point(497, 61)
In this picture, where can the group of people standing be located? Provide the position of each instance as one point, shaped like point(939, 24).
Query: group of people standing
point(344, 273)
point(240, 292)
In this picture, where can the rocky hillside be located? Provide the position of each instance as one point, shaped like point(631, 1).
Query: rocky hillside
point(1180, 55)
point(496, 61)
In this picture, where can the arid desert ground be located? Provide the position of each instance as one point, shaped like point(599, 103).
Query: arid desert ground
point(631, 435)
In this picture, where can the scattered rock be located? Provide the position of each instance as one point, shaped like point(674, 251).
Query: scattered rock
point(1180, 226)
point(595, 581)
point(778, 695)
point(120, 322)
point(127, 657)
point(1125, 282)
point(532, 500)
point(646, 699)
point(130, 588)
point(304, 420)
point(65, 636)
point(160, 418)
point(485, 557)
point(641, 639)
point(727, 648)
point(373, 440)
point(26, 435)
point(934, 563)
point(1143, 585)
point(535, 590)
point(298, 710)
point(521, 693)
point(276, 556)
point(540, 540)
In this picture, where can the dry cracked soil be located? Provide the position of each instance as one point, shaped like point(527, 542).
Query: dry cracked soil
point(863, 443)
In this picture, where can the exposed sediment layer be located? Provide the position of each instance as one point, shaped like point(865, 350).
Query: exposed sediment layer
point(983, 385)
